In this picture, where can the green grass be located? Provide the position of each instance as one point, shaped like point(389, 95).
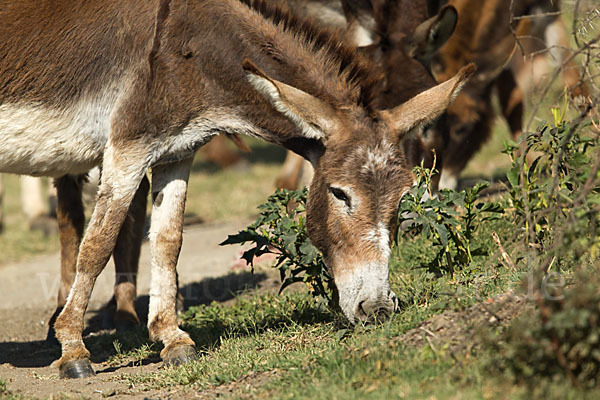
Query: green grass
point(316, 355)
point(313, 355)
point(6, 394)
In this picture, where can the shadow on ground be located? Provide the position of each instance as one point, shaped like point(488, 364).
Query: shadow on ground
point(105, 343)
point(99, 333)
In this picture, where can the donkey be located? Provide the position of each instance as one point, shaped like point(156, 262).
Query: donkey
point(138, 86)
point(400, 37)
point(483, 35)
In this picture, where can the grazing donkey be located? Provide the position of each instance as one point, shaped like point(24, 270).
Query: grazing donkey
point(483, 35)
point(400, 37)
point(133, 86)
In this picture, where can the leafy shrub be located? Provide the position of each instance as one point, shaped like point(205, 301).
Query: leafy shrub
point(280, 229)
point(554, 190)
point(450, 220)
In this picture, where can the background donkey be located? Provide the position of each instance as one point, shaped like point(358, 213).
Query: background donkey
point(151, 83)
point(400, 37)
point(484, 35)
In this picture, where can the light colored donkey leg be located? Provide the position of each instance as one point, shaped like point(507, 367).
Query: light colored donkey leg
point(35, 205)
point(122, 174)
point(127, 256)
point(306, 174)
point(71, 221)
point(169, 187)
point(32, 200)
point(291, 172)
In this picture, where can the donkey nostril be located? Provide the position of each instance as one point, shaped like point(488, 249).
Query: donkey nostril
point(376, 311)
point(360, 311)
point(392, 296)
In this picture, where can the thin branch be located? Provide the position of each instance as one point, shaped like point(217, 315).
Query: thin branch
point(542, 15)
point(555, 76)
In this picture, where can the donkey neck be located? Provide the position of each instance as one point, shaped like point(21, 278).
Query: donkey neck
point(218, 35)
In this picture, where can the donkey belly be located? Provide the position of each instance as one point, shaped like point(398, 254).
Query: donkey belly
point(39, 141)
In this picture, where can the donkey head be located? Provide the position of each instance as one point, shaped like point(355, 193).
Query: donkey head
point(401, 37)
point(360, 175)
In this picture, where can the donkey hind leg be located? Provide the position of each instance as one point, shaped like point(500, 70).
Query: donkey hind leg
point(291, 172)
point(126, 256)
point(169, 187)
point(120, 181)
point(71, 220)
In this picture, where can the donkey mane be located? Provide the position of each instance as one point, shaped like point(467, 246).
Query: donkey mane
point(357, 71)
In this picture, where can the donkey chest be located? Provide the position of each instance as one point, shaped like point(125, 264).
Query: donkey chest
point(42, 141)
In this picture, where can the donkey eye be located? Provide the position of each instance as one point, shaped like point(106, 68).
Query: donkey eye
point(340, 195)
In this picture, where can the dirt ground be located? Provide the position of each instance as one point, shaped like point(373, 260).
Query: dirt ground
point(456, 330)
point(28, 296)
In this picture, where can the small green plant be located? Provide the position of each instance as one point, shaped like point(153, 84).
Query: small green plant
point(449, 220)
point(118, 348)
point(280, 229)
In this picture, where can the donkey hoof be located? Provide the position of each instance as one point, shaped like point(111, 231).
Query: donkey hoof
point(78, 368)
point(180, 355)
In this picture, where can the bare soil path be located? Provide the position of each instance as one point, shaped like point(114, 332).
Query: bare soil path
point(28, 298)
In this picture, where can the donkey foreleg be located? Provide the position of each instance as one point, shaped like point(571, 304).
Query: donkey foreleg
point(120, 181)
point(511, 100)
point(169, 187)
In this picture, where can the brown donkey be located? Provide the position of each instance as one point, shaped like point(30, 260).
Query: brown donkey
point(400, 37)
point(133, 86)
point(483, 35)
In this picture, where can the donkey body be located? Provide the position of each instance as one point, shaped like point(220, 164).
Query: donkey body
point(132, 86)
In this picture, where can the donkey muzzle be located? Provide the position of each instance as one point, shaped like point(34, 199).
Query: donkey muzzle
point(373, 310)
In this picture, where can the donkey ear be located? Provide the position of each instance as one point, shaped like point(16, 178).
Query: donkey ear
point(428, 105)
point(314, 118)
point(432, 34)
